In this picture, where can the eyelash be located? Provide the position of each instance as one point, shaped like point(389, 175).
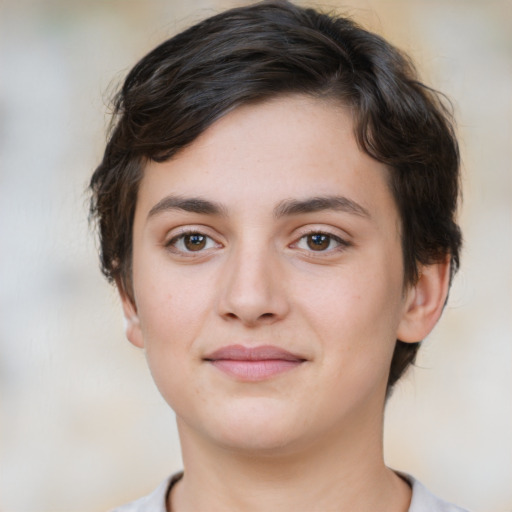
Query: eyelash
point(342, 244)
point(172, 243)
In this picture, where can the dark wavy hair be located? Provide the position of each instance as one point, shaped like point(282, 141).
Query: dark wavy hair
point(253, 53)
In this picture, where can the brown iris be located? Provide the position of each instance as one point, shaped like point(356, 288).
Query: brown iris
point(194, 241)
point(318, 241)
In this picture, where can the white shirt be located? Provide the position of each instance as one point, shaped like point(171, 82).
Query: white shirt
point(422, 500)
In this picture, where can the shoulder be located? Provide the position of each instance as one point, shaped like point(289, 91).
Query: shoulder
point(424, 501)
point(154, 502)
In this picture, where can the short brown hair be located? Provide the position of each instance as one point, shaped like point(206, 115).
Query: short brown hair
point(249, 54)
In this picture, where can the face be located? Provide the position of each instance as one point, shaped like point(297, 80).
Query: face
point(268, 278)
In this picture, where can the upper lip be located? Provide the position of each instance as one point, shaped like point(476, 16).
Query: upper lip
point(259, 353)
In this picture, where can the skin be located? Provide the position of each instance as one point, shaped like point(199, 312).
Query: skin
point(309, 438)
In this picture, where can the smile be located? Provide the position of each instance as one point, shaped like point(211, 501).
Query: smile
point(252, 364)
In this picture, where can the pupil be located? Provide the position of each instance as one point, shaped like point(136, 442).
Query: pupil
point(195, 242)
point(318, 242)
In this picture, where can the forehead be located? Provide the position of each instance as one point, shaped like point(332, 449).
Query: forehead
point(260, 154)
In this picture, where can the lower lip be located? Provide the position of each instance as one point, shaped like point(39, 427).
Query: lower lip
point(253, 371)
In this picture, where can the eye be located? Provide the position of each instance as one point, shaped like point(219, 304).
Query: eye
point(191, 242)
point(320, 242)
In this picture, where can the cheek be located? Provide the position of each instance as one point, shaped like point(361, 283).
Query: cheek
point(173, 308)
point(170, 320)
point(357, 308)
point(171, 301)
point(169, 328)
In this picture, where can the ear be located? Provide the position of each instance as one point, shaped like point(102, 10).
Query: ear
point(131, 318)
point(425, 302)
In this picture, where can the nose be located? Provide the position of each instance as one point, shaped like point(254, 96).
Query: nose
point(252, 288)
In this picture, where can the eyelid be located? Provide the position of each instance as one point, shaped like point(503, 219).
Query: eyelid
point(188, 229)
point(343, 242)
point(178, 233)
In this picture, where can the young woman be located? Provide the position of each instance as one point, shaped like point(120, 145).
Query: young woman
point(276, 207)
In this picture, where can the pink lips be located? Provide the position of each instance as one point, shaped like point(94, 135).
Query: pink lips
point(253, 363)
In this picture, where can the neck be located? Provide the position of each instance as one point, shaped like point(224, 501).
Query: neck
point(339, 472)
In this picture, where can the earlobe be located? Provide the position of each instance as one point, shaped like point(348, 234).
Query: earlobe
point(425, 302)
point(131, 317)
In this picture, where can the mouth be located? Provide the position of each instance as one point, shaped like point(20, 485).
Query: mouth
point(252, 364)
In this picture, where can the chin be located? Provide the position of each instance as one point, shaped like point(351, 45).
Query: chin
point(260, 426)
point(253, 442)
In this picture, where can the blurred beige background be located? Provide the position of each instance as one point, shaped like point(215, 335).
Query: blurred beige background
point(82, 426)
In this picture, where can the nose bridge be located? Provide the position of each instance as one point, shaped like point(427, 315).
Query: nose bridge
point(252, 289)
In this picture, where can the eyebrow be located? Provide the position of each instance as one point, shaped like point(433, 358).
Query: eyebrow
point(316, 204)
point(285, 208)
point(187, 204)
